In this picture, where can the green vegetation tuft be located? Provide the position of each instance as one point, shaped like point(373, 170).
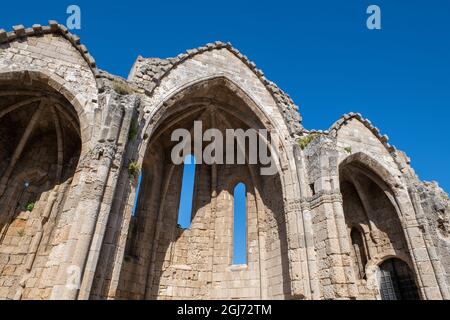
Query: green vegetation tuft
point(348, 150)
point(303, 142)
point(30, 206)
point(121, 87)
point(133, 169)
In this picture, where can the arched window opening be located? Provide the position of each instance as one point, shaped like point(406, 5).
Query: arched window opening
point(359, 252)
point(240, 224)
point(133, 234)
point(130, 248)
point(136, 199)
point(187, 192)
point(397, 281)
point(313, 189)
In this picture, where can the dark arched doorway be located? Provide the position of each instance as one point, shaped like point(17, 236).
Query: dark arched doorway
point(397, 281)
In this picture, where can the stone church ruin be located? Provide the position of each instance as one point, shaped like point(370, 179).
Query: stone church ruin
point(343, 217)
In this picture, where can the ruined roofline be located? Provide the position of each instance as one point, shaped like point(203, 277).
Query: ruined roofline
point(162, 67)
point(283, 100)
point(343, 120)
point(384, 139)
point(53, 27)
point(19, 32)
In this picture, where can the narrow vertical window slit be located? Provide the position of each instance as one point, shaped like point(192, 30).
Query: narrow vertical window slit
point(187, 192)
point(240, 224)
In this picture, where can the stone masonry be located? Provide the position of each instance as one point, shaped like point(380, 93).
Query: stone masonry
point(344, 217)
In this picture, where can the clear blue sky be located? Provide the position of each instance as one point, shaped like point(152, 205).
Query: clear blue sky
point(320, 52)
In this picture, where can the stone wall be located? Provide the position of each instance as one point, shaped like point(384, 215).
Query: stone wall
point(436, 206)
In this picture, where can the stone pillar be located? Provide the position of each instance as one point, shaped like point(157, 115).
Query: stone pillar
point(305, 223)
point(299, 254)
point(111, 186)
point(335, 273)
point(426, 262)
point(344, 243)
point(94, 166)
point(425, 258)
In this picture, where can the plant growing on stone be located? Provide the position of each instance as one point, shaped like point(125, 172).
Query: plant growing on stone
point(133, 169)
point(348, 150)
point(121, 87)
point(30, 206)
point(303, 142)
point(21, 232)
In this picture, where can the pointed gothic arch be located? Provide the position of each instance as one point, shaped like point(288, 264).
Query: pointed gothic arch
point(165, 251)
point(40, 147)
point(369, 201)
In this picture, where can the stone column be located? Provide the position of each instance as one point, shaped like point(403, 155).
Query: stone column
point(122, 133)
point(336, 275)
point(425, 257)
point(295, 228)
point(94, 167)
point(305, 223)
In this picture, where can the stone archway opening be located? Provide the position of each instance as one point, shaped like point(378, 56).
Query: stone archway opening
point(40, 146)
point(367, 202)
point(396, 281)
point(169, 262)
